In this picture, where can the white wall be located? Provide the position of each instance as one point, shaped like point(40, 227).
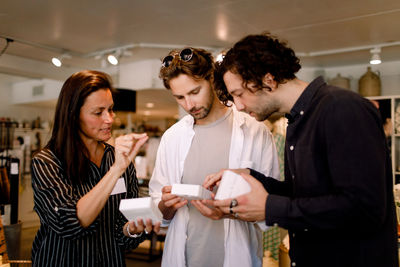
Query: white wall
point(23, 92)
point(140, 75)
point(19, 112)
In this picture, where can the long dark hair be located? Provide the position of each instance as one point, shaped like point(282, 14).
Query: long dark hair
point(65, 139)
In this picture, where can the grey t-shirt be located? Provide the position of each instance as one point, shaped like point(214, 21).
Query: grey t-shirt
point(208, 154)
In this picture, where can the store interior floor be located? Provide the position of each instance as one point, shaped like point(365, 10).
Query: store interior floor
point(28, 234)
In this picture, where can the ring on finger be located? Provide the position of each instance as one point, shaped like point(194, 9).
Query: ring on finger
point(234, 203)
point(236, 215)
point(230, 210)
point(146, 232)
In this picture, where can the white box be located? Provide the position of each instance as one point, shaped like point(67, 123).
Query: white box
point(143, 208)
point(190, 191)
point(232, 185)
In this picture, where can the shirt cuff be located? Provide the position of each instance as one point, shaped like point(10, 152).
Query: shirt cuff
point(275, 209)
point(165, 223)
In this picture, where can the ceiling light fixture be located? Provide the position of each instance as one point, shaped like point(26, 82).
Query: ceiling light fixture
point(149, 105)
point(117, 52)
point(112, 59)
point(376, 58)
point(57, 61)
point(101, 54)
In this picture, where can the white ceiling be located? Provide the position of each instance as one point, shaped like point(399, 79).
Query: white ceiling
point(84, 27)
point(45, 28)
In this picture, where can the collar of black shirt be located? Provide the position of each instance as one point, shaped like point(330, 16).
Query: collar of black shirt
point(305, 99)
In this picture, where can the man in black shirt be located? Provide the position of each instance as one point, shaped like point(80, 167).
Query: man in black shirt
point(337, 196)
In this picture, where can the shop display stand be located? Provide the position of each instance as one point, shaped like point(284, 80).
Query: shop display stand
point(395, 136)
point(12, 165)
point(10, 235)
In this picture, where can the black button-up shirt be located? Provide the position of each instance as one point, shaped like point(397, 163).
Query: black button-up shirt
point(337, 197)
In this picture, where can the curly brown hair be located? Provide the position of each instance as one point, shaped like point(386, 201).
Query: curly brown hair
point(252, 58)
point(200, 66)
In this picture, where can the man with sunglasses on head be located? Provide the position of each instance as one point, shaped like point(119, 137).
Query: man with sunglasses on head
point(337, 196)
point(211, 137)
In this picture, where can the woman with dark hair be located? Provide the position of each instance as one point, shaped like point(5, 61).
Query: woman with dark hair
point(79, 180)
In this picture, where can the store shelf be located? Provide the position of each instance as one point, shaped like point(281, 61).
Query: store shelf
point(393, 103)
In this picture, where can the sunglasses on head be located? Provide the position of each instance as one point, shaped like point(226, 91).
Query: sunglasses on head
point(185, 55)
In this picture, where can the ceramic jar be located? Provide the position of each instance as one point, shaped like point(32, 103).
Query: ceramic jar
point(369, 84)
point(340, 81)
